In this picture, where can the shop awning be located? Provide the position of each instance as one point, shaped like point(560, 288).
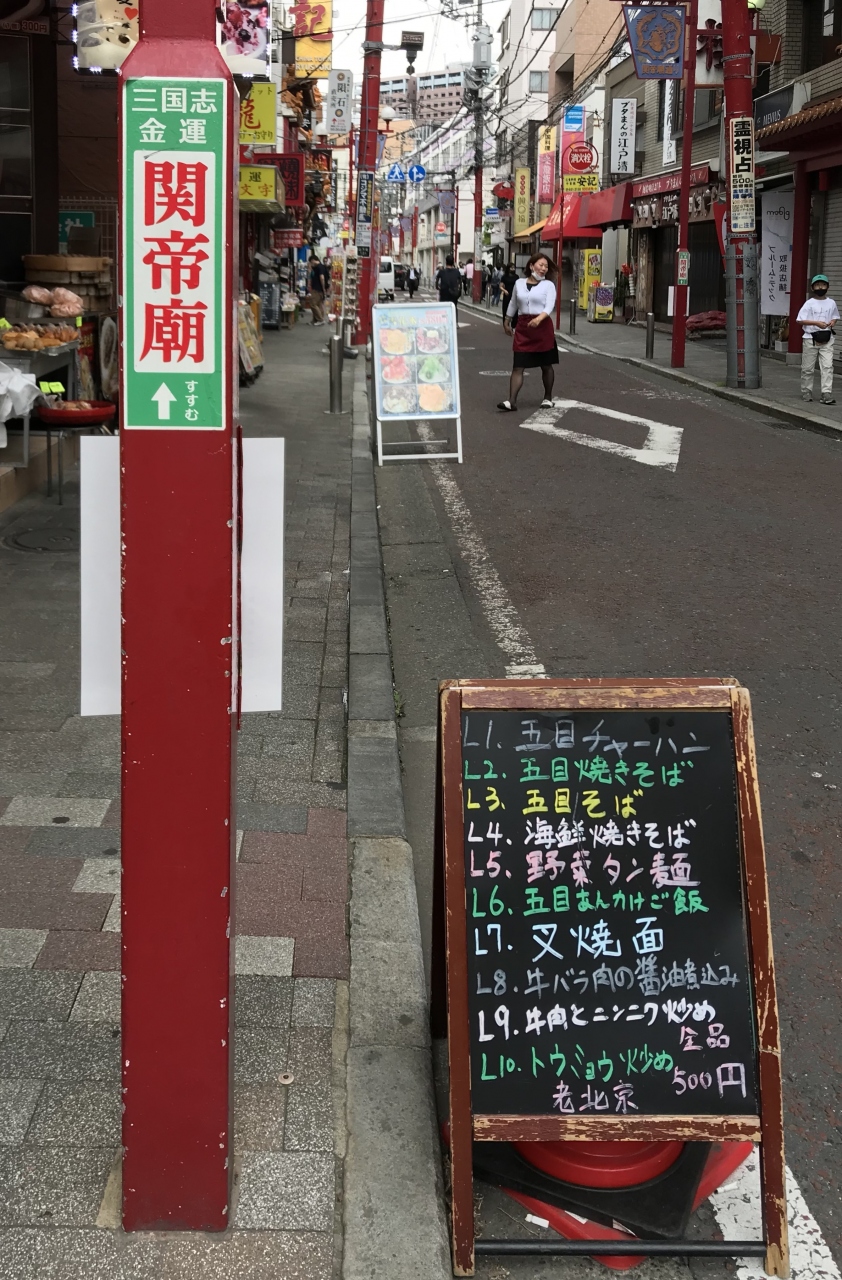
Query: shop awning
point(608, 208)
point(793, 131)
point(565, 220)
point(530, 231)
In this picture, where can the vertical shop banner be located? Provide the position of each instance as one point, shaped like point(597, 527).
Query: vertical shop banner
point(523, 185)
point(572, 131)
point(710, 70)
point(365, 212)
point(741, 173)
point(668, 151)
point(776, 251)
point(291, 169)
point(545, 193)
point(175, 151)
point(245, 36)
point(313, 33)
point(258, 116)
point(623, 130)
point(340, 101)
point(656, 37)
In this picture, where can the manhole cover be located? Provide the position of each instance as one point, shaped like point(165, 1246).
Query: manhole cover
point(49, 538)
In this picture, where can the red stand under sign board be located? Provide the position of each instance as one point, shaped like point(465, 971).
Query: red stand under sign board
point(179, 632)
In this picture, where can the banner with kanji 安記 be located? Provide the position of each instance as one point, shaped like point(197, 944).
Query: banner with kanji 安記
point(174, 155)
point(313, 32)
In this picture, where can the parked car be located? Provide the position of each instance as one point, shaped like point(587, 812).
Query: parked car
point(400, 275)
point(386, 280)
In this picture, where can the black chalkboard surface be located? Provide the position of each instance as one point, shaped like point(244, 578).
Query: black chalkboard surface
point(608, 967)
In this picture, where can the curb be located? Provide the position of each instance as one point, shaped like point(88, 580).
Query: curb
point(394, 1214)
point(748, 399)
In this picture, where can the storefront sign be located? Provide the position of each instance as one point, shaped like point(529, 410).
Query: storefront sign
point(574, 119)
point(340, 99)
point(709, 55)
point(105, 33)
point(656, 36)
point(776, 251)
point(258, 116)
point(623, 130)
point(441, 234)
point(523, 183)
point(258, 187)
point(245, 34)
point(668, 151)
point(287, 238)
point(365, 212)
point(774, 107)
point(291, 169)
point(670, 182)
point(416, 361)
point(545, 193)
point(580, 182)
point(741, 174)
point(662, 209)
point(174, 159)
point(313, 32)
point(73, 218)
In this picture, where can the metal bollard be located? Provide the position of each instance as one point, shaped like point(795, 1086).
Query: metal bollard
point(336, 373)
point(650, 335)
point(572, 328)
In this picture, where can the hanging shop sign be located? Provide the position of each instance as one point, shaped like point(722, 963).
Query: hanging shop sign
point(287, 238)
point(741, 174)
point(258, 115)
point(776, 251)
point(261, 189)
point(623, 131)
point(244, 34)
point(313, 33)
point(579, 165)
point(340, 101)
point(174, 159)
point(447, 202)
point(606, 958)
point(441, 234)
point(105, 34)
point(545, 192)
point(291, 169)
point(365, 212)
point(670, 182)
point(656, 37)
point(521, 219)
point(662, 209)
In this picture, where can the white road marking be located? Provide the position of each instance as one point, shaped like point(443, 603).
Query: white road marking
point(661, 448)
point(500, 614)
point(736, 1207)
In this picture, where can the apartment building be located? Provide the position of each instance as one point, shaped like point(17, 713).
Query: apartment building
point(432, 98)
point(527, 43)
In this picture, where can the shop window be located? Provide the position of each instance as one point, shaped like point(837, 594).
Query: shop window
point(539, 81)
point(15, 157)
point(822, 32)
point(14, 73)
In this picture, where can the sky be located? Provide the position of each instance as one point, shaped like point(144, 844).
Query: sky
point(445, 40)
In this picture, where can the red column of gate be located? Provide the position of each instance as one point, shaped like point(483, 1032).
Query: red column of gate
point(178, 740)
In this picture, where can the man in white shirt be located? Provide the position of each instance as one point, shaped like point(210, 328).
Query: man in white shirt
point(818, 316)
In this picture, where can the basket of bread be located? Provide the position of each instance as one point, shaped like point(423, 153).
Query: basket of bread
point(38, 337)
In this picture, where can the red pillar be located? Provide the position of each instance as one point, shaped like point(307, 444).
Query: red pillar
point(679, 319)
point(800, 255)
point(180, 649)
point(476, 284)
point(369, 113)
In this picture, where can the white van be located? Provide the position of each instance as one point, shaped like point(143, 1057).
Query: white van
point(386, 280)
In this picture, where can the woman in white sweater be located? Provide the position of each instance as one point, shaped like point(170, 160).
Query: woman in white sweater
point(531, 306)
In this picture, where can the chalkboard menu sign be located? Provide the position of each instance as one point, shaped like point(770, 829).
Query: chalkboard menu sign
point(601, 940)
point(607, 953)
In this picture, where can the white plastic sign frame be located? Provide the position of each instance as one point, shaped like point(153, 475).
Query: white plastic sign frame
point(408, 319)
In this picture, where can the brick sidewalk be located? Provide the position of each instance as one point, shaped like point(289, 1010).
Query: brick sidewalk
point(59, 899)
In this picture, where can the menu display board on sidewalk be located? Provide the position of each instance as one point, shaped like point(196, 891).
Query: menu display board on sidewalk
point(416, 361)
point(601, 938)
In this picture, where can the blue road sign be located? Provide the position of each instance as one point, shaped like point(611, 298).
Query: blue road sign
point(417, 173)
point(396, 174)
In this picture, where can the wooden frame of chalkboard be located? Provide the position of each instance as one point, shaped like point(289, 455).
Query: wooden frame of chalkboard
point(762, 1123)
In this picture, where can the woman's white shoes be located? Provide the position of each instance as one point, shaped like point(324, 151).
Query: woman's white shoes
point(546, 404)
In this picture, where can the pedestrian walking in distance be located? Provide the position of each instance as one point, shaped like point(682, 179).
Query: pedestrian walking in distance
point(412, 281)
point(530, 310)
point(507, 285)
point(317, 290)
point(818, 316)
point(449, 283)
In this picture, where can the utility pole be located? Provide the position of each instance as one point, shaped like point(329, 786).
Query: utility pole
point(369, 113)
point(743, 369)
point(482, 59)
point(679, 317)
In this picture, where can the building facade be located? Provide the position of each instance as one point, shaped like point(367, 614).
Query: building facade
point(431, 98)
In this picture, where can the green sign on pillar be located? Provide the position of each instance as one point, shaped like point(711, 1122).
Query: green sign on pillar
point(175, 140)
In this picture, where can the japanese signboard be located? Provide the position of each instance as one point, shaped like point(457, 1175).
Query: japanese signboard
point(776, 249)
point(545, 193)
point(365, 212)
point(709, 56)
point(416, 363)
point(340, 101)
point(258, 116)
point(656, 36)
point(313, 32)
point(175, 151)
point(259, 187)
point(523, 181)
point(741, 173)
point(580, 182)
point(683, 274)
point(291, 169)
point(623, 130)
point(244, 34)
point(287, 238)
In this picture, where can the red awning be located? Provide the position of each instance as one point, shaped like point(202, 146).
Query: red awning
point(568, 206)
point(609, 207)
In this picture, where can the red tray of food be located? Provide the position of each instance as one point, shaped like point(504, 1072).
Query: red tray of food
point(78, 413)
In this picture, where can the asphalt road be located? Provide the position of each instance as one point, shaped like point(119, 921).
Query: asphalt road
point(542, 548)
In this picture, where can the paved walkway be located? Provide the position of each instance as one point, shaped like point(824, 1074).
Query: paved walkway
point(59, 896)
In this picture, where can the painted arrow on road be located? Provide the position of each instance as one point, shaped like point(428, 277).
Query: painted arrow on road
point(163, 397)
point(660, 449)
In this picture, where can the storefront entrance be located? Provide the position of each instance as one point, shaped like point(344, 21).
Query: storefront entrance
point(665, 247)
point(707, 275)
